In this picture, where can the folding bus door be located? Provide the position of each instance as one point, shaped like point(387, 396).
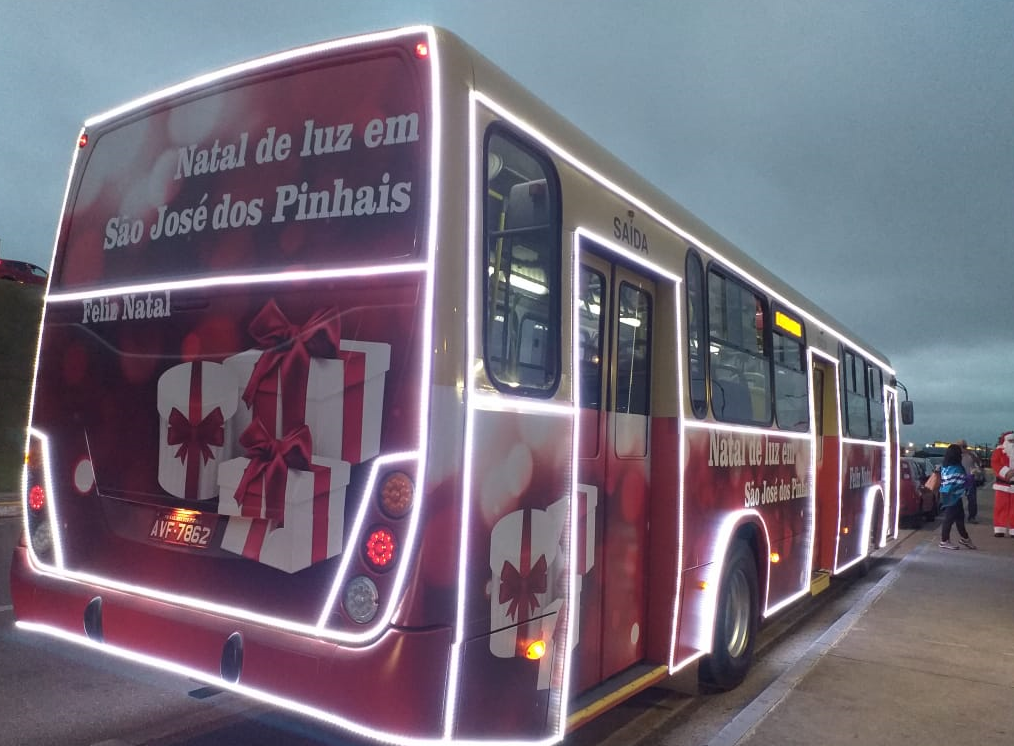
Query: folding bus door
point(615, 323)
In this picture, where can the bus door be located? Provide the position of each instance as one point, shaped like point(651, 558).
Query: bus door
point(891, 484)
point(826, 479)
point(615, 322)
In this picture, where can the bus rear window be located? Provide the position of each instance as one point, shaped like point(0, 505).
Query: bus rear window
point(324, 168)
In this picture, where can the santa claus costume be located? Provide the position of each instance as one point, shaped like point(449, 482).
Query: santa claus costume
point(1003, 504)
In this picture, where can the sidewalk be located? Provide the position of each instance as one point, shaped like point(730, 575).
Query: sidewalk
point(927, 658)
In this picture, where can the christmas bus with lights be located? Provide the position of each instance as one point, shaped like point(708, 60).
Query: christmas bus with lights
point(371, 388)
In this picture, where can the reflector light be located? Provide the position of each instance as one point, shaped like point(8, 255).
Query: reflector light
point(845, 530)
point(361, 599)
point(36, 498)
point(422, 50)
point(82, 141)
point(535, 650)
point(775, 558)
point(380, 547)
point(396, 494)
point(84, 476)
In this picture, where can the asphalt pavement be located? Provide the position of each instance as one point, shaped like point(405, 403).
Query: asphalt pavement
point(10, 504)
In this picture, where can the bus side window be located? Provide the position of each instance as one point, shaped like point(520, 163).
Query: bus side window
point(696, 358)
point(878, 424)
point(740, 362)
point(792, 409)
point(854, 381)
point(522, 331)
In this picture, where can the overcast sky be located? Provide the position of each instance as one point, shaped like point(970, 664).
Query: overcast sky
point(863, 150)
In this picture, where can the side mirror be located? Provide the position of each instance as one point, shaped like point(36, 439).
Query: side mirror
point(907, 412)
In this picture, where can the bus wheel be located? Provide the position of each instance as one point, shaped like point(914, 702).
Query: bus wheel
point(736, 621)
point(872, 541)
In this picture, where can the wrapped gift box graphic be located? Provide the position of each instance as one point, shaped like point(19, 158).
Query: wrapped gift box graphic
point(586, 501)
point(285, 517)
point(523, 548)
point(195, 403)
point(308, 375)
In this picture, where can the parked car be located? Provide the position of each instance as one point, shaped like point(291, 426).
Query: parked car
point(916, 503)
point(24, 272)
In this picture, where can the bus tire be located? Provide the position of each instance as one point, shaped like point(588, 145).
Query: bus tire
point(737, 618)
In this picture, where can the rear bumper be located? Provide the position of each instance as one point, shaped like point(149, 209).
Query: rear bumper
point(342, 685)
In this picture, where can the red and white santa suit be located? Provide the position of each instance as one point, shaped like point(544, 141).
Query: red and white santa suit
point(1003, 488)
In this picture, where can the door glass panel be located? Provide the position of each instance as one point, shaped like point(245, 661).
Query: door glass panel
point(590, 330)
point(633, 369)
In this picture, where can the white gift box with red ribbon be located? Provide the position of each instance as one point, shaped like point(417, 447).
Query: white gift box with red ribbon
point(523, 547)
point(343, 404)
point(311, 504)
point(196, 402)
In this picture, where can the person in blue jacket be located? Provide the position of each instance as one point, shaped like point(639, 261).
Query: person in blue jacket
point(953, 482)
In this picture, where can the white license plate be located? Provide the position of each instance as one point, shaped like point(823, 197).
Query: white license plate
point(187, 528)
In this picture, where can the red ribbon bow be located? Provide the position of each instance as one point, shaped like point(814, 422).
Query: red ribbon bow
point(520, 586)
point(271, 459)
point(287, 348)
point(196, 437)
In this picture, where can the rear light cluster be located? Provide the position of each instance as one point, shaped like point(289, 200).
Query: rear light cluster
point(380, 546)
point(37, 523)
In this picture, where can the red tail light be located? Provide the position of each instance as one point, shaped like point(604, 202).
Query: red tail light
point(381, 548)
point(36, 498)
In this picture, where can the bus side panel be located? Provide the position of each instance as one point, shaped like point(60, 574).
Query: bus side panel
point(828, 493)
point(664, 533)
point(862, 473)
point(516, 572)
point(762, 478)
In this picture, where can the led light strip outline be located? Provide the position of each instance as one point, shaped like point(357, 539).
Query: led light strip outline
point(474, 401)
point(51, 519)
point(611, 186)
point(382, 619)
point(520, 123)
point(244, 67)
point(251, 692)
point(217, 281)
point(660, 276)
point(503, 112)
point(721, 548)
point(894, 480)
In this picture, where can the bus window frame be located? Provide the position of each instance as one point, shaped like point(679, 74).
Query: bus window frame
point(554, 196)
point(761, 301)
point(699, 330)
point(776, 332)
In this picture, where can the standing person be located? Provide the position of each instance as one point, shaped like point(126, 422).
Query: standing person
point(1003, 486)
point(970, 463)
point(952, 490)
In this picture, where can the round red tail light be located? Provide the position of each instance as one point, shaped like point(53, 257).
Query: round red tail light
point(380, 548)
point(36, 498)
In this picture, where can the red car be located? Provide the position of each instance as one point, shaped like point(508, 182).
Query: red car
point(917, 502)
point(23, 272)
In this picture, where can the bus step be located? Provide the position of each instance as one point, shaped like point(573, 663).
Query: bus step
point(820, 581)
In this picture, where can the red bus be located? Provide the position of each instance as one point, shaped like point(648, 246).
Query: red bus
point(370, 388)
